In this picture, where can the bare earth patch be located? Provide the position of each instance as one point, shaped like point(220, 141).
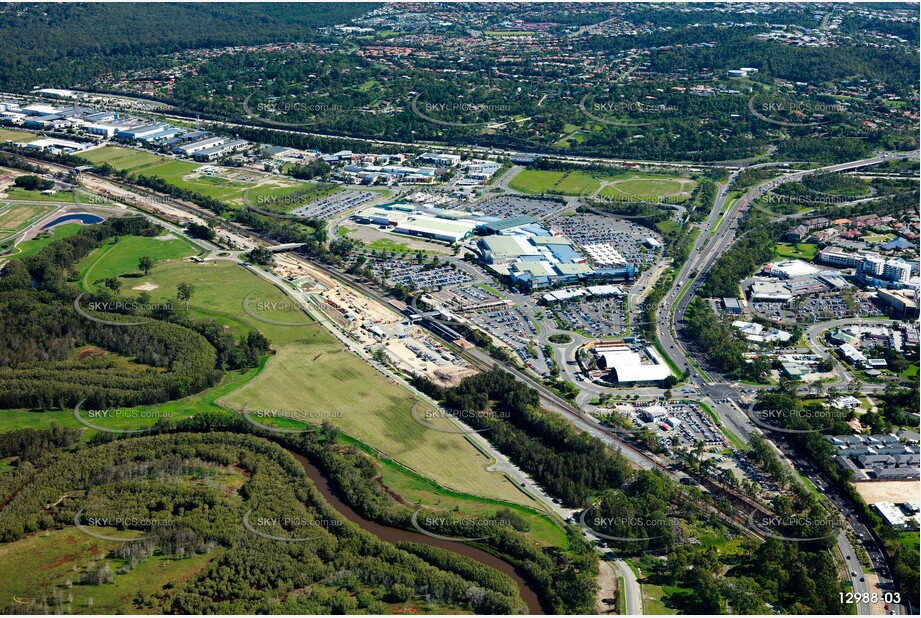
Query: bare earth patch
point(146, 287)
point(887, 491)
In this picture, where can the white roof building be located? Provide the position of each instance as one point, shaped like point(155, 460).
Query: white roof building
point(628, 367)
point(788, 269)
point(770, 291)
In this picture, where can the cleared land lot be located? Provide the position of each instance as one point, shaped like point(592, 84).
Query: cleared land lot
point(17, 136)
point(120, 259)
point(14, 217)
point(888, 491)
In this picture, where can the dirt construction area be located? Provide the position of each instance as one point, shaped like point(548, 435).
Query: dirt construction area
point(889, 491)
point(376, 327)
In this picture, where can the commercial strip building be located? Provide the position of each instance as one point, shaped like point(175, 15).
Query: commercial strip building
point(587, 292)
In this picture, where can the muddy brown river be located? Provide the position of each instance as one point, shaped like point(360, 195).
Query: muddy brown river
point(396, 535)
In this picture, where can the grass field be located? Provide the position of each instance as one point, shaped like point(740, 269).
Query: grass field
point(544, 181)
point(42, 563)
point(31, 247)
point(629, 187)
point(120, 259)
point(14, 217)
point(122, 158)
point(424, 492)
point(878, 238)
point(638, 187)
point(801, 250)
point(16, 135)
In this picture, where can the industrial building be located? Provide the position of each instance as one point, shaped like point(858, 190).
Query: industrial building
point(904, 516)
point(210, 142)
point(441, 160)
point(219, 150)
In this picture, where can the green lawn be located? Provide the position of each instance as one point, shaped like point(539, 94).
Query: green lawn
point(648, 187)
point(31, 247)
point(630, 186)
point(667, 227)
point(120, 259)
point(877, 238)
point(543, 181)
point(122, 158)
point(16, 135)
point(911, 540)
point(385, 244)
point(801, 250)
point(535, 181)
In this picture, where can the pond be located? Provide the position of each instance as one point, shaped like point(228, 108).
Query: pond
point(80, 217)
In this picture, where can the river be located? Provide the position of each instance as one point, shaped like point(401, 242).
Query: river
point(396, 535)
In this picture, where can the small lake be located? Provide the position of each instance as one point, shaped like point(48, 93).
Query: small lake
point(77, 217)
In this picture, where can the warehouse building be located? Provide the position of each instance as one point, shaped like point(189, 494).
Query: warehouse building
point(219, 150)
point(441, 160)
point(210, 142)
point(140, 131)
